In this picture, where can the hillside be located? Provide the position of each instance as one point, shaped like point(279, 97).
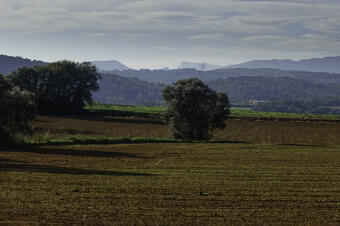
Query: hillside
point(265, 88)
point(327, 64)
point(9, 64)
point(115, 89)
point(170, 76)
point(120, 90)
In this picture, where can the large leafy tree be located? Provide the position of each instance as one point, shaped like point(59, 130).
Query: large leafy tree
point(60, 88)
point(17, 109)
point(194, 110)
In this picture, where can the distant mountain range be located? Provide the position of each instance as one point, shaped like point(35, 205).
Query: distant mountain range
point(110, 65)
point(327, 64)
point(198, 66)
point(122, 85)
point(8, 64)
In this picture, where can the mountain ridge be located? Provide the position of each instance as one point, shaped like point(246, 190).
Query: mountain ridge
point(325, 64)
point(110, 65)
point(8, 64)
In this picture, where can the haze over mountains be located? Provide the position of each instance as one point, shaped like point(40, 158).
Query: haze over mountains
point(327, 64)
point(198, 66)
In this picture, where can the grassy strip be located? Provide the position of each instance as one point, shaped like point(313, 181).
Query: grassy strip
point(89, 140)
point(155, 112)
point(242, 113)
point(125, 108)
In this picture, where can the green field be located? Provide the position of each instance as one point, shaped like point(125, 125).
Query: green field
point(110, 170)
point(125, 108)
point(234, 112)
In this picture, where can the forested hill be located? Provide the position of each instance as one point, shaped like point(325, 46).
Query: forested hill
point(115, 89)
point(121, 90)
point(169, 76)
point(247, 88)
point(9, 64)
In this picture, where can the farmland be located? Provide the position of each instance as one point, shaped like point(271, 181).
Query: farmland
point(168, 184)
point(237, 130)
point(254, 172)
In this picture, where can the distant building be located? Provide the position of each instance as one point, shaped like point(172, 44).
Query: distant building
point(256, 102)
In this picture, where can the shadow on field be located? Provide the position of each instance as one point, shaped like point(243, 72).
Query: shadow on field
point(10, 160)
point(12, 165)
point(65, 131)
point(73, 152)
point(115, 119)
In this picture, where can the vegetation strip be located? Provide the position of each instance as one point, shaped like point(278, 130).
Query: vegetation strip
point(89, 140)
point(235, 113)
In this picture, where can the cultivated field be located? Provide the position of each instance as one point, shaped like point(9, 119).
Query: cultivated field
point(253, 131)
point(255, 172)
point(170, 184)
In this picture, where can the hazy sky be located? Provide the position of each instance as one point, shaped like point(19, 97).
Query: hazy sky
point(157, 33)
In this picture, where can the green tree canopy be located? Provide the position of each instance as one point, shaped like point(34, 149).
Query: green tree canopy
point(194, 110)
point(17, 109)
point(60, 88)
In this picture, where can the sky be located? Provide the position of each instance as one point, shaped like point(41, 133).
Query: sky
point(162, 33)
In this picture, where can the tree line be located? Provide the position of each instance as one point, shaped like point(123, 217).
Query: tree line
point(62, 87)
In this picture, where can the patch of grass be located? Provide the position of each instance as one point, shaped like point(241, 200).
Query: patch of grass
point(124, 110)
point(99, 140)
point(247, 113)
point(151, 111)
point(127, 108)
